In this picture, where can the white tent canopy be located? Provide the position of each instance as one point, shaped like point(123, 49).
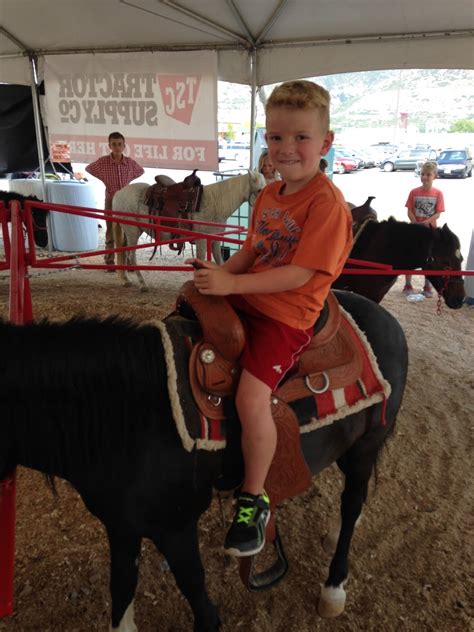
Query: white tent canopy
point(258, 41)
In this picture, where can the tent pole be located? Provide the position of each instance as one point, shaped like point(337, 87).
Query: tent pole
point(39, 136)
point(253, 106)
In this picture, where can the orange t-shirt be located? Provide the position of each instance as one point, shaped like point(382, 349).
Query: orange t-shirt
point(311, 228)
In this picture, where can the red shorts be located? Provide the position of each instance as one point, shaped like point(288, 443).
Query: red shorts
point(271, 347)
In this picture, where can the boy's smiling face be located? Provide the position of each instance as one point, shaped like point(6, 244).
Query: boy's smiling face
point(296, 141)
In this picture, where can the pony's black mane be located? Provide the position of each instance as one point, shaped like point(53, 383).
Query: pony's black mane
point(9, 196)
point(398, 231)
point(83, 382)
point(401, 242)
point(39, 214)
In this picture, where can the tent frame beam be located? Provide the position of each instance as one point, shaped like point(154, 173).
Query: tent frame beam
point(388, 37)
point(457, 34)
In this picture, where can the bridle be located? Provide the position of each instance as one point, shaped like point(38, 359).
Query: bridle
point(430, 264)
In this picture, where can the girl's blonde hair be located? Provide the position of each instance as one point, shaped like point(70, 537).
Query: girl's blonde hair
point(261, 161)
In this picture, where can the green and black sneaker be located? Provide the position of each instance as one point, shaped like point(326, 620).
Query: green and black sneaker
point(246, 536)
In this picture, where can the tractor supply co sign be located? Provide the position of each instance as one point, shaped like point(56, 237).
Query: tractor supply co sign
point(165, 104)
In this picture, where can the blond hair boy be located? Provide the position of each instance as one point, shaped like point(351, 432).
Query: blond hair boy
point(424, 204)
point(298, 241)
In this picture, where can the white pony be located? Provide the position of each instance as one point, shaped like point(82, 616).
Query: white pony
point(218, 202)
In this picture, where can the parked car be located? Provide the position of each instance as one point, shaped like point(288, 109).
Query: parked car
point(346, 152)
point(234, 151)
point(456, 163)
point(359, 154)
point(345, 164)
point(367, 158)
point(407, 159)
point(376, 154)
point(384, 150)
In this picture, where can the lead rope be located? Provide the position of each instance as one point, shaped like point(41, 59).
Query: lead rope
point(439, 304)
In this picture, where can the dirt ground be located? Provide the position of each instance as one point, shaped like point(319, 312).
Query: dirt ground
point(411, 558)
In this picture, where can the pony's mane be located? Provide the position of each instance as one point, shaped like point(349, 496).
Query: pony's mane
point(83, 382)
point(39, 214)
point(399, 232)
point(234, 182)
point(220, 199)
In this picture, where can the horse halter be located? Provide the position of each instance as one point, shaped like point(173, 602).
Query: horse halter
point(431, 264)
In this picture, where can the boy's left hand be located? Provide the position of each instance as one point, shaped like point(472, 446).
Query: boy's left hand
point(216, 281)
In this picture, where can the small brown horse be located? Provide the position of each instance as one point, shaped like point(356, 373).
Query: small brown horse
point(405, 246)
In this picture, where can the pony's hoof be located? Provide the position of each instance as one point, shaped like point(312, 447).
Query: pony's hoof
point(127, 624)
point(144, 288)
point(127, 284)
point(331, 601)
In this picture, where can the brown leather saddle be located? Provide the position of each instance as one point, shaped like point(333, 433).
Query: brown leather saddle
point(361, 215)
point(330, 362)
point(178, 201)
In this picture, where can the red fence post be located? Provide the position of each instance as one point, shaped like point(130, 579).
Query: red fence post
point(20, 312)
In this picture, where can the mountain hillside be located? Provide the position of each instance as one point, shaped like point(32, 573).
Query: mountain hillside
point(431, 99)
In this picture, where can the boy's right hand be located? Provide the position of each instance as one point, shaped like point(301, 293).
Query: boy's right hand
point(199, 264)
point(211, 278)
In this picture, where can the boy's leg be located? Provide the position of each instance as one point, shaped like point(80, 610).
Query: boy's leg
point(428, 289)
point(408, 289)
point(271, 349)
point(109, 258)
point(259, 437)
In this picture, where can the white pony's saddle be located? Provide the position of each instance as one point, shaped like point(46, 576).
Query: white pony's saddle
point(178, 201)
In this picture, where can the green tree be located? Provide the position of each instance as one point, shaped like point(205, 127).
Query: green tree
point(462, 125)
point(230, 134)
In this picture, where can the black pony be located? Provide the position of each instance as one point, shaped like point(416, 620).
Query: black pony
point(88, 401)
point(406, 247)
point(40, 215)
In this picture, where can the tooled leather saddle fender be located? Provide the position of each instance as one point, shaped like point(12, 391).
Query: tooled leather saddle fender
point(178, 201)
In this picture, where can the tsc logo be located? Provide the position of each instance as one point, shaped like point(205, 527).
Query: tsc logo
point(179, 94)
